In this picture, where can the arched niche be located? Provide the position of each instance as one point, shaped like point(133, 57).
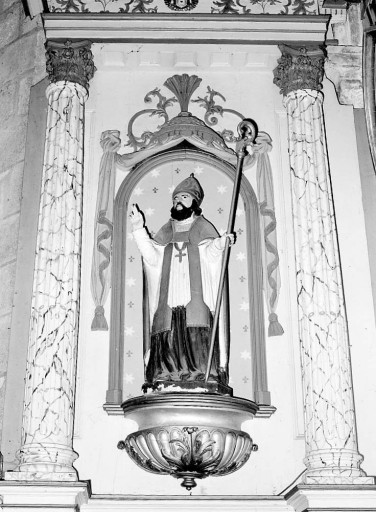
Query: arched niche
point(256, 334)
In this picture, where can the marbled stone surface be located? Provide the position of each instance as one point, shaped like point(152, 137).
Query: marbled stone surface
point(331, 443)
point(51, 364)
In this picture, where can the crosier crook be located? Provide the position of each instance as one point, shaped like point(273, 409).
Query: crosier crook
point(247, 130)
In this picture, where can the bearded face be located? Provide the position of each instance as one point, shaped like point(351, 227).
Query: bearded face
point(180, 212)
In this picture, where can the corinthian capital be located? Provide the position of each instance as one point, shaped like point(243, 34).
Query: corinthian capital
point(299, 67)
point(70, 61)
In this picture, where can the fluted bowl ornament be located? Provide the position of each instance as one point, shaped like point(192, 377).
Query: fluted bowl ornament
point(189, 452)
point(189, 435)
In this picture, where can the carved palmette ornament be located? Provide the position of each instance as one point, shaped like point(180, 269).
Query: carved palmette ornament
point(189, 452)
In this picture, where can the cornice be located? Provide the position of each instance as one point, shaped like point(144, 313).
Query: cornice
point(187, 28)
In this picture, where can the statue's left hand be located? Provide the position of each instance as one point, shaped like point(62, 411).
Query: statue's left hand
point(222, 240)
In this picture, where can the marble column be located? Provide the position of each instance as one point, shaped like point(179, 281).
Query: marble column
point(332, 455)
point(46, 452)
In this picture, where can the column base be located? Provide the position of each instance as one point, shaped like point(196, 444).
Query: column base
point(338, 498)
point(47, 462)
point(335, 467)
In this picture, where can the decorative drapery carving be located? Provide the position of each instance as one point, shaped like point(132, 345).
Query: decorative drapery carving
point(170, 132)
point(331, 443)
point(70, 61)
point(46, 452)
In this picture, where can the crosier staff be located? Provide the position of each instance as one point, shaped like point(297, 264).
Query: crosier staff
point(247, 130)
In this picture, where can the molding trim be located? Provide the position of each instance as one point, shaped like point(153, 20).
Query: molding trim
point(77, 496)
point(198, 28)
point(332, 498)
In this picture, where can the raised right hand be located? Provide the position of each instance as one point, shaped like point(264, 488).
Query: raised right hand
point(136, 217)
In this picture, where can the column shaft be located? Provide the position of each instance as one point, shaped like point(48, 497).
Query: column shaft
point(331, 444)
point(51, 364)
point(332, 455)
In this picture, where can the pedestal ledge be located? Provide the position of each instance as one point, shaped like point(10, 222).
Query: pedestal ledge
point(189, 435)
point(44, 495)
point(339, 498)
point(185, 409)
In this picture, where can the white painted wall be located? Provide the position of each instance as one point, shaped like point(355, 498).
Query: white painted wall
point(126, 72)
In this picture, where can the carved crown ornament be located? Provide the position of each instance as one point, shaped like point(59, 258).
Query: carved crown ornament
point(185, 123)
point(71, 61)
point(300, 68)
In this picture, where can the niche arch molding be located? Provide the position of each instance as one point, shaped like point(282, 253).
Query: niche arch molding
point(114, 395)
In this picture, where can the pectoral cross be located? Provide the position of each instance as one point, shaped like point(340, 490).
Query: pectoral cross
point(180, 251)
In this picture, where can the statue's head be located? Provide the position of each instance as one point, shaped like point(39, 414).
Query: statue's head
point(192, 186)
point(186, 199)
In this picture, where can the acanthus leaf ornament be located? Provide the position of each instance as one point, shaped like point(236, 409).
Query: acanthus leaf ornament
point(159, 111)
point(71, 61)
point(299, 67)
point(213, 110)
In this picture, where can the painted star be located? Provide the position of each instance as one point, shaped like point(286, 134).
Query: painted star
point(240, 256)
point(244, 306)
point(138, 191)
point(245, 354)
point(129, 378)
point(155, 173)
point(198, 169)
point(221, 189)
point(131, 281)
point(129, 331)
point(149, 212)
